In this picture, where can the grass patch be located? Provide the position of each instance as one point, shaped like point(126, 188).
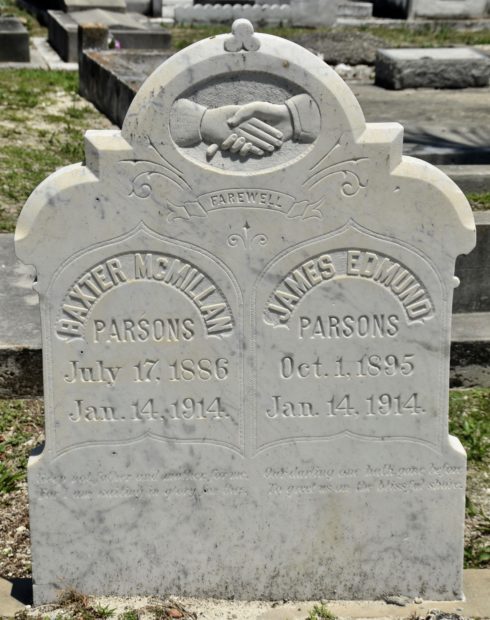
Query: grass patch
point(8, 479)
point(28, 88)
point(21, 428)
point(479, 202)
point(426, 35)
point(469, 419)
point(42, 123)
point(320, 612)
point(78, 606)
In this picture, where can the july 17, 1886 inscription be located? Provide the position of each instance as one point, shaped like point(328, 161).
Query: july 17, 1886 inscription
point(246, 300)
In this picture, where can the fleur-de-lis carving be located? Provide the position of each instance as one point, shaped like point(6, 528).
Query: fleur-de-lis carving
point(242, 38)
point(246, 239)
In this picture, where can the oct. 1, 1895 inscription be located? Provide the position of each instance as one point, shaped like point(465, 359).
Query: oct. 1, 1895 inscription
point(346, 329)
point(246, 298)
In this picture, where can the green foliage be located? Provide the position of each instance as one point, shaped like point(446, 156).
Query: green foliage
point(477, 547)
point(477, 557)
point(425, 35)
point(77, 605)
point(20, 422)
point(469, 419)
point(479, 202)
point(28, 88)
point(8, 479)
point(477, 543)
point(100, 611)
point(42, 122)
point(428, 35)
point(320, 612)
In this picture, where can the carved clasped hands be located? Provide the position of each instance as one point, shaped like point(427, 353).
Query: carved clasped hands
point(253, 129)
point(257, 128)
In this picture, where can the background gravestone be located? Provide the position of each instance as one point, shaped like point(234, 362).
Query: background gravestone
point(441, 9)
point(246, 299)
point(130, 30)
point(14, 40)
point(309, 13)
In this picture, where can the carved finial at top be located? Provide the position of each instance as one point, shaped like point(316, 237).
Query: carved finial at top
point(242, 38)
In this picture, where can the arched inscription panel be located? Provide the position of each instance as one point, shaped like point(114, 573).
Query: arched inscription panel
point(147, 331)
point(348, 329)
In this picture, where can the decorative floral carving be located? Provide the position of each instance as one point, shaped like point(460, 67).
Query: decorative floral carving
point(349, 169)
point(141, 185)
point(235, 239)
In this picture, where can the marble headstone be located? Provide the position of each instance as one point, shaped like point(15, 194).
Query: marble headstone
point(246, 302)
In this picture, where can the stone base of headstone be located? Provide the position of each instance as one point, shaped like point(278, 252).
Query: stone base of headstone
point(432, 68)
point(131, 30)
point(14, 40)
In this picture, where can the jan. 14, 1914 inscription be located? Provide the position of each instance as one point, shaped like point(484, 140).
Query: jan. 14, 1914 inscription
point(246, 315)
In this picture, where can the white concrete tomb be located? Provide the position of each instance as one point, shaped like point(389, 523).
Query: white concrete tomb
point(246, 303)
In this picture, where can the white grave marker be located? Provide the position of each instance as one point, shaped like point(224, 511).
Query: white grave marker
point(246, 304)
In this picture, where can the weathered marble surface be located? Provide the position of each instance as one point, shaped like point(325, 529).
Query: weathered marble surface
point(246, 354)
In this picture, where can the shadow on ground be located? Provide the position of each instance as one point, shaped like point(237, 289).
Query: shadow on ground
point(22, 590)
